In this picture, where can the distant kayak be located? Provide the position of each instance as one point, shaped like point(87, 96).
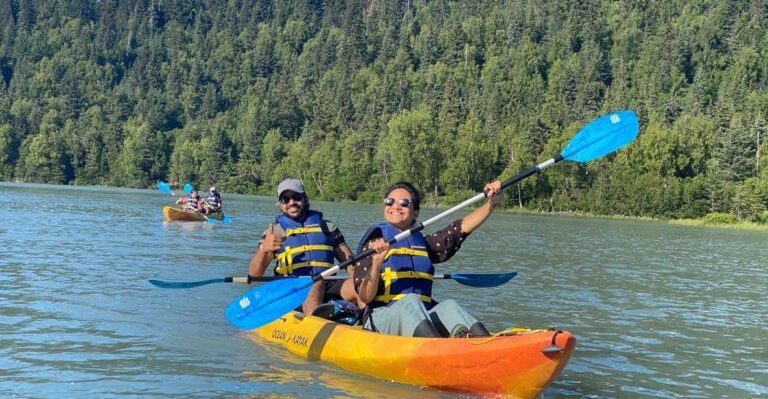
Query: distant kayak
point(518, 363)
point(176, 214)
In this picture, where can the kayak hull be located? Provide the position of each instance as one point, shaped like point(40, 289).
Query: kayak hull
point(176, 214)
point(510, 364)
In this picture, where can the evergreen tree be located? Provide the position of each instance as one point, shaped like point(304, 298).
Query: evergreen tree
point(354, 95)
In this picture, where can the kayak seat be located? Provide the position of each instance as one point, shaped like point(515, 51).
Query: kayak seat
point(340, 311)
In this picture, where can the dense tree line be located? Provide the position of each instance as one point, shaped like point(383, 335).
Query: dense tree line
point(351, 95)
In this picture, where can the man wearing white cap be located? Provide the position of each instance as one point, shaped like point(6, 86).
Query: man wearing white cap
point(304, 244)
point(212, 203)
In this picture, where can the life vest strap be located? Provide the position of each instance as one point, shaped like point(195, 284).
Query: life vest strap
point(303, 230)
point(389, 275)
point(391, 298)
point(287, 269)
point(287, 255)
point(406, 251)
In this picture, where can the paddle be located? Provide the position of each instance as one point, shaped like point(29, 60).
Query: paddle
point(469, 279)
point(164, 187)
point(267, 302)
point(224, 219)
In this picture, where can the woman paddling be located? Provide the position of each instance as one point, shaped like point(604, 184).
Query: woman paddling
point(395, 284)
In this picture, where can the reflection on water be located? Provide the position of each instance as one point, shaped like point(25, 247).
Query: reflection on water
point(323, 380)
point(659, 311)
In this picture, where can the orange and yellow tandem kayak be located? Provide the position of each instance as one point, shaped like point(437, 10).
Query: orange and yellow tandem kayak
point(519, 363)
point(177, 214)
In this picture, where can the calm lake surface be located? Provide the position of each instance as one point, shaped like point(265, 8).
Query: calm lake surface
point(659, 311)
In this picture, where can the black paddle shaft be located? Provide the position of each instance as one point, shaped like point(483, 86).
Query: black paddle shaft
point(532, 171)
point(360, 256)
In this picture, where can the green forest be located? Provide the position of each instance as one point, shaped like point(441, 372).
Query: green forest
point(352, 95)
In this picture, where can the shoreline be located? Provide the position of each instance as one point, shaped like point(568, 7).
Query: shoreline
point(701, 222)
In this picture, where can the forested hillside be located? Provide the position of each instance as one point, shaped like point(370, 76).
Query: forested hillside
point(351, 95)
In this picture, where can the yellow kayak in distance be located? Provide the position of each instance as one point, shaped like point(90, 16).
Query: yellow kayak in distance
point(176, 214)
point(519, 363)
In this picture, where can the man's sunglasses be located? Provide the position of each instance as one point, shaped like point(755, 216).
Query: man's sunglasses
point(404, 202)
point(295, 196)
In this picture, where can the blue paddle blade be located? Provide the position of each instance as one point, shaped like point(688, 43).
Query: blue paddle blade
point(602, 136)
point(483, 280)
point(185, 284)
point(211, 220)
point(188, 188)
point(267, 302)
point(164, 187)
point(226, 220)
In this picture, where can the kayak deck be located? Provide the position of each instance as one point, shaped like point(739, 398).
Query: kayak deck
point(172, 213)
point(520, 364)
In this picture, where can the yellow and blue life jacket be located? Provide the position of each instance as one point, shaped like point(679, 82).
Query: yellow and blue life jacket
point(406, 269)
point(307, 249)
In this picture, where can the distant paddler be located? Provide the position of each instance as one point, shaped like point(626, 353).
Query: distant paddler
point(191, 203)
point(212, 203)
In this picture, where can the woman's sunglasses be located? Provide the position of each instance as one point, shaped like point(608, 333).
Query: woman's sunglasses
point(295, 196)
point(404, 202)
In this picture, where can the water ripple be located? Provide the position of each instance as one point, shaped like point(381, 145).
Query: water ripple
point(658, 311)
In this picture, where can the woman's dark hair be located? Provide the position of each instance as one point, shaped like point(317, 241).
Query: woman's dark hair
point(407, 187)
